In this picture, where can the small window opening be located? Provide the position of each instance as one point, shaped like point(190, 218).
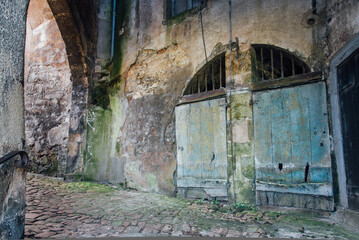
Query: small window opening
point(274, 63)
point(177, 7)
point(209, 78)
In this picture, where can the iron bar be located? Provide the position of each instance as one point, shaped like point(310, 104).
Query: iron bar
point(199, 84)
point(213, 86)
point(281, 65)
point(24, 158)
point(262, 64)
point(271, 62)
point(220, 72)
point(205, 79)
point(293, 70)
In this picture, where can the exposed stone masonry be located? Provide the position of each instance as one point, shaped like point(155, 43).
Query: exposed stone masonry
point(48, 90)
point(12, 180)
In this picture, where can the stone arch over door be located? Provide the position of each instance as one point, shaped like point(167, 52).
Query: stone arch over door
point(56, 85)
point(201, 135)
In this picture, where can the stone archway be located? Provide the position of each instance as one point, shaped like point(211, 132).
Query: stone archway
point(79, 78)
point(56, 85)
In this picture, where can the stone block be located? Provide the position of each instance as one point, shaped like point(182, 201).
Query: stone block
point(240, 131)
point(57, 135)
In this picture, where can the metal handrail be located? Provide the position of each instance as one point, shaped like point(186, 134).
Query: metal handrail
point(22, 163)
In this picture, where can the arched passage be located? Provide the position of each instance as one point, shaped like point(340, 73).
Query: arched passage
point(55, 88)
point(79, 77)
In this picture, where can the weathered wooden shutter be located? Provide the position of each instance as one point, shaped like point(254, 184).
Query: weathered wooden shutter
point(292, 147)
point(201, 149)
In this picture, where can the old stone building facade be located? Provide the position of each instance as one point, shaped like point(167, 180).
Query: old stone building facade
point(241, 101)
point(264, 136)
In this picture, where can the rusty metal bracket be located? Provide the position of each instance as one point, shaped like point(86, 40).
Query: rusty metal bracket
point(22, 163)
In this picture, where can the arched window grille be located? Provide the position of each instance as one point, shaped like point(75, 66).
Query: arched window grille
point(210, 77)
point(273, 63)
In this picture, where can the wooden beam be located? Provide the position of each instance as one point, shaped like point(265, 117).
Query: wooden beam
point(202, 96)
point(287, 82)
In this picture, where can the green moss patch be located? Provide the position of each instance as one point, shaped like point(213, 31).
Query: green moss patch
point(87, 187)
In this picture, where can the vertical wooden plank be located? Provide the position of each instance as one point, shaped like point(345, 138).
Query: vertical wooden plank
point(205, 140)
point(280, 120)
point(194, 135)
point(262, 133)
point(219, 163)
point(320, 145)
point(181, 138)
point(300, 134)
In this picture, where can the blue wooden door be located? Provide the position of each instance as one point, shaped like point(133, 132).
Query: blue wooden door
point(201, 148)
point(292, 147)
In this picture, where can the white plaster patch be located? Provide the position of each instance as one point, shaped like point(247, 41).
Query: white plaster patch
point(240, 131)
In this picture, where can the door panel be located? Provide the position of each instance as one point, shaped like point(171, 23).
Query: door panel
point(348, 82)
point(291, 131)
point(201, 146)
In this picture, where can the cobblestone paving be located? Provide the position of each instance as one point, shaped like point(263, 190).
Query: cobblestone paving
point(56, 209)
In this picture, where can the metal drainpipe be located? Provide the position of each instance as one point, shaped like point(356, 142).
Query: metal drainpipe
point(230, 94)
point(113, 29)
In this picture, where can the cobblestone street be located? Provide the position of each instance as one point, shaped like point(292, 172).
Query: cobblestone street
point(56, 209)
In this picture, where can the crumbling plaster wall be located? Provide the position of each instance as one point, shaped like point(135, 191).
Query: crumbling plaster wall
point(48, 90)
point(12, 180)
point(343, 24)
point(159, 56)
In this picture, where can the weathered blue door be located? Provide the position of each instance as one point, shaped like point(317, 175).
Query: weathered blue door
point(292, 147)
point(201, 149)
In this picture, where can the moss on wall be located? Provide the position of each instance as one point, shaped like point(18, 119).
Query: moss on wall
point(242, 174)
point(102, 153)
point(241, 108)
point(97, 143)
